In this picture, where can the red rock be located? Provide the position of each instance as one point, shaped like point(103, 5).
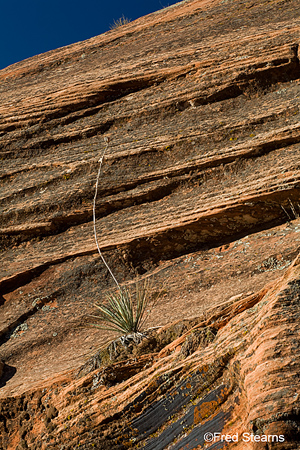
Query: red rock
point(200, 188)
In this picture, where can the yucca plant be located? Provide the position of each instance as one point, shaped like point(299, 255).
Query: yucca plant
point(125, 311)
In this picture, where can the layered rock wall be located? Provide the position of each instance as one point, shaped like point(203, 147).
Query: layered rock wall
point(199, 188)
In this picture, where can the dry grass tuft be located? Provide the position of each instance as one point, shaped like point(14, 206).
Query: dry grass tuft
point(119, 22)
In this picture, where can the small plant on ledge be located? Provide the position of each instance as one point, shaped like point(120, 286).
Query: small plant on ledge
point(126, 310)
point(119, 22)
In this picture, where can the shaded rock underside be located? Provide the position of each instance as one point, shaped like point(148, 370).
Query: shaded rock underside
point(200, 188)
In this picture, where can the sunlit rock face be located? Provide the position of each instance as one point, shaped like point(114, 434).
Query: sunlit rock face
point(199, 190)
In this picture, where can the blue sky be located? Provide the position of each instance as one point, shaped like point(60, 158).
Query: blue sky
point(30, 27)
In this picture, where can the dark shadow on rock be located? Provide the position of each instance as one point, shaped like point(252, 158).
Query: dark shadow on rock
point(8, 373)
point(2, 300)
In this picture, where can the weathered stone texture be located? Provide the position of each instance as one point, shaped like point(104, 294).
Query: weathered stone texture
point(200, 188)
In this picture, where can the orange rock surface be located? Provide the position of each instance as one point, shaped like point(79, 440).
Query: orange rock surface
point(199, 189)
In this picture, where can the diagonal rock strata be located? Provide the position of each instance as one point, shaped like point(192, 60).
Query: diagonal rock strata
point(253, 341)
point(200, 189)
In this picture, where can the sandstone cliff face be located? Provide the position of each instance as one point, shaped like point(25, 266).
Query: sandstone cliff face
point(200, 188)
